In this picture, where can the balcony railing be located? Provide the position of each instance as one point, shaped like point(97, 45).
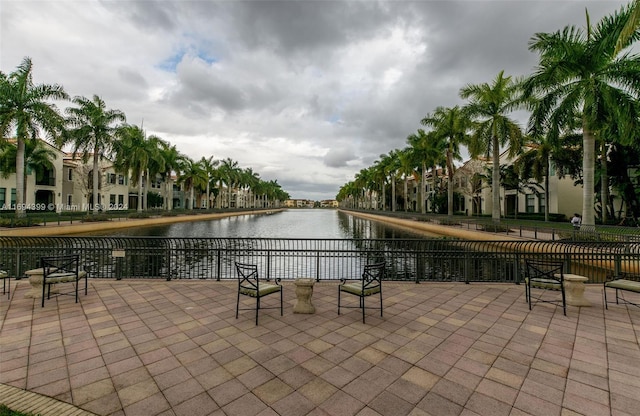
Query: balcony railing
point(321, 259)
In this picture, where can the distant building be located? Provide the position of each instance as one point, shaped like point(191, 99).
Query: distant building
point(329, 203)
point(299, 203)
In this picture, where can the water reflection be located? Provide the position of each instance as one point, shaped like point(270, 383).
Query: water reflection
point(295, 223)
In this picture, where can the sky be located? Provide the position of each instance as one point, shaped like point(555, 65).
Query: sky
point(307, 93)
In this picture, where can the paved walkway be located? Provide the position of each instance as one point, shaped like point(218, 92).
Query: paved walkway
point(175, 348)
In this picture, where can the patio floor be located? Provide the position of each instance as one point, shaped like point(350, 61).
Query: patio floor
point(136, 347)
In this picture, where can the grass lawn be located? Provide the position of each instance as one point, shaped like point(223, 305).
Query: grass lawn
point(5, 411)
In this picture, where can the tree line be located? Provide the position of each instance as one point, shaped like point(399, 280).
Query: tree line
point(583, 100)
point(95, 132)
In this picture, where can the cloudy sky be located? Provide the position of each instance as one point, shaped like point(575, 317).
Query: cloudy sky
point(305, 92)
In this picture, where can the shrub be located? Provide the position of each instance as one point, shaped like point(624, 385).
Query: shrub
point(96, 218)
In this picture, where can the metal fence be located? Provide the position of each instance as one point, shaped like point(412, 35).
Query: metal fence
point(321, 259)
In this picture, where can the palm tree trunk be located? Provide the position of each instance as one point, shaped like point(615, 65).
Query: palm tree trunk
point(406, 194)
point(434, 171)
point(140, 191)
point(208, 189)
point(495, 185)
point(588, 162)
point(450, 184)
point(393, 193)
point(20, 180)
point(95, 184)
point(423, 206)
point(604, 184)
point(546, 195)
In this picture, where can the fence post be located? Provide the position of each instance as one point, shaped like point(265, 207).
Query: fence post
point(468, 266)
point(218, 264)
point(268, 265)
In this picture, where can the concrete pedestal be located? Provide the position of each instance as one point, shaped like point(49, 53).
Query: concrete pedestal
point(304, 290)
point(35, 280)
point(574, 290)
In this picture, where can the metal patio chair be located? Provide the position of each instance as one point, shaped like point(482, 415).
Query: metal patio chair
point(370, 284)
point(62, 269)
point(250, 285)
point(545, 276)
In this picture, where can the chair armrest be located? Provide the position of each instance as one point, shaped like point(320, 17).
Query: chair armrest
point(623, 276)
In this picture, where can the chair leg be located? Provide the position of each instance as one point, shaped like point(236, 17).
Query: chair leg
point(529, 297)
point(564, 303)
point(604, 289)
point(238, 304)
point(381, 303)
point(257, 308)
point(362, 306)
point(338, 300)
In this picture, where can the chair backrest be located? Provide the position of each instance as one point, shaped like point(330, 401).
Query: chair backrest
point(60, 264)
point(545, 269)
point(247, 275)
point(372, 275)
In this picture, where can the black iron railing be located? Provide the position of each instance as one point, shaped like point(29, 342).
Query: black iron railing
point(321, 259)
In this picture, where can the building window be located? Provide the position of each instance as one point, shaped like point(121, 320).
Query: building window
point(120, 179)
point(69, 200)
point(69, 174)
point(3, 197)
point(112, 199)
point(111, 178)
point(120, 200)
point(531, 203)
point(541, 203)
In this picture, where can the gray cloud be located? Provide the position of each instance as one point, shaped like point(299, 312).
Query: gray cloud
point(306, 92)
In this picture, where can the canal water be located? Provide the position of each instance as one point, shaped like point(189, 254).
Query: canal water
point(292, 223)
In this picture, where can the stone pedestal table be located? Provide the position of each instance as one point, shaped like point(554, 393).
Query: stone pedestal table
point(304, 290)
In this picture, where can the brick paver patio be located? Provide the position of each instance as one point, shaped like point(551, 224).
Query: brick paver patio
point(175, 348)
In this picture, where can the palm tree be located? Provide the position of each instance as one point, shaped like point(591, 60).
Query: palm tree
point(209, 166)
point(488, 107)
point(391, 165)
point(450, 125)
point(172, 161)
point(535, 162)
point(428, 148)
point(379, 175)
point(407, 165)
point(192, 176)
point(135, 154)
point(23, 107)
point(249, 181)
point(92, 133)
point(38, 158)
point(629, 32)
point(229, 173)
point(156, 166)
point(579, 75)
